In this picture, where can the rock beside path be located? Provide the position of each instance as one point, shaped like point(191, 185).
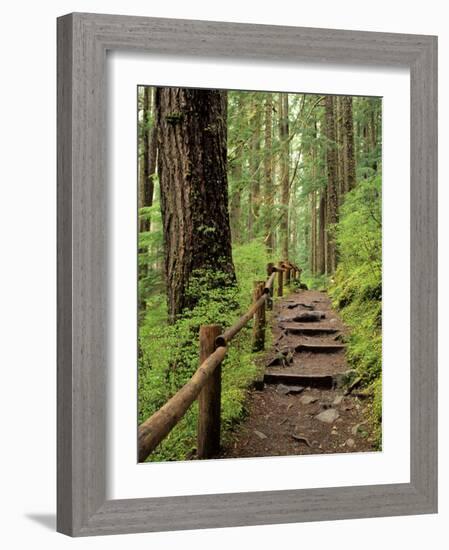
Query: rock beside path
point(328, 416)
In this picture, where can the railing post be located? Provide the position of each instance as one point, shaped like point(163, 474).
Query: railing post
point(259, 318)
point(288, 277)
point(280, 279)
point(209, 399)
point(269, 302)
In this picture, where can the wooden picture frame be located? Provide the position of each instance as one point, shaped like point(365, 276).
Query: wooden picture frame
point(83, 40)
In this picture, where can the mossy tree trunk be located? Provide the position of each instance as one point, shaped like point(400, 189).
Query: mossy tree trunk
point(194, 195)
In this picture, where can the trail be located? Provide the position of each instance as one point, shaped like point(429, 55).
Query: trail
point(300, 406)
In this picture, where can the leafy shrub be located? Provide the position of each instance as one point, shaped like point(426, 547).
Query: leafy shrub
point(357, 286)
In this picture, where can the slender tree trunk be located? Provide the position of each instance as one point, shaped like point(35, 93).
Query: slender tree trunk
point(236, 198)
point(194, 197)
point(321, 256)
point(373, 136)
point(313, 235)
point(254, 191)
point(144, 150)
point(236, 191)
point(366, 149)
point(285, 173)
point(268, 174)
point(313, 205)
point(147, 169)
point(349, 143)
point(332, 198)
point(149, 155)
point(341, 148)
point(293, 247)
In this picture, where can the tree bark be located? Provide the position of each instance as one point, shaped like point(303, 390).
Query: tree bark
point(350, 175)
point(149, 155)
point(332, 198)
point(285, 175)
point(268, 175)
point(254, 192)
point(313, 196)
point(236, 169)
point(194, 197)
point(341, 149)
point(144, 150)
point(313, 239)
point(321, 256)
point(373, 135)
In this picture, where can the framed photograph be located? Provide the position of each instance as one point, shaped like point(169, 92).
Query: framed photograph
point(235, 343)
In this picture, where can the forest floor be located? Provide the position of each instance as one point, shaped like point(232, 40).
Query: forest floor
point(301, 406)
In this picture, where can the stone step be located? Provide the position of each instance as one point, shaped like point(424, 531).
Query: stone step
point(319, 348)
point(311, 331)
point(308, 380)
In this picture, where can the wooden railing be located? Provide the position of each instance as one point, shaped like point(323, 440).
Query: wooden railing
point(205, 384)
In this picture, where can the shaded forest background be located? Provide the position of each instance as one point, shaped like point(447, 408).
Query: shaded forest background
point(297, 176)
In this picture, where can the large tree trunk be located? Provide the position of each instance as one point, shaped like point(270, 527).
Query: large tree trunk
point(350, 176)
point(332, 197)
point(268, 175)
point(194, 198)
point(285, 175)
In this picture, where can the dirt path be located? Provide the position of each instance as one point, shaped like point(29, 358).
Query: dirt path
point(301, 408)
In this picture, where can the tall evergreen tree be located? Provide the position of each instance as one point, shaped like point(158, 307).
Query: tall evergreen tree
point(194, 197)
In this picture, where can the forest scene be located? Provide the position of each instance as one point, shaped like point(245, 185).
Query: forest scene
point(259, 274)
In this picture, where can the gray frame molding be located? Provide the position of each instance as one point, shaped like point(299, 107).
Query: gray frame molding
point(83, 40)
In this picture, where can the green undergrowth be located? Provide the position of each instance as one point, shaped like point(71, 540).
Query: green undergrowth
point(168, 354)
point(315, 282)
point(356, 289)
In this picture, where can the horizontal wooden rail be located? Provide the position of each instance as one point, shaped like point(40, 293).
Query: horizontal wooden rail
point(269, 283)
point(158, 426)
point(229, 334)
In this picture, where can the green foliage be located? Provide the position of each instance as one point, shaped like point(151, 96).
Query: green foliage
point(168, 354)
point(150, 255)
point(315, 282)
point(357, 286)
